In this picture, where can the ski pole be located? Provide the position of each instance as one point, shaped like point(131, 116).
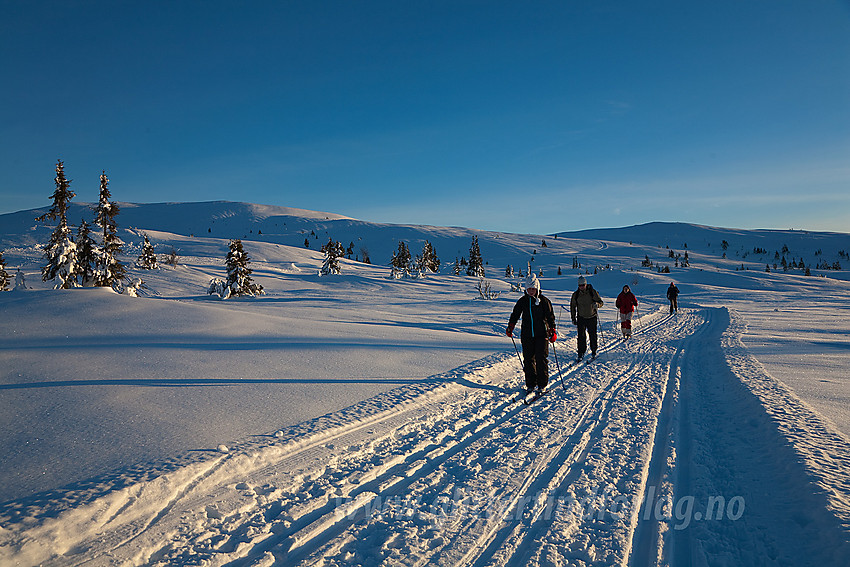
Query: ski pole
point(558, 364)
point(638, 317)
point(517, 354)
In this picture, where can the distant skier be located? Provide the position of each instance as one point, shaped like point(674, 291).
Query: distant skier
point(538, 327)
point(626, 303)
point(672, 295)
point(584, 306)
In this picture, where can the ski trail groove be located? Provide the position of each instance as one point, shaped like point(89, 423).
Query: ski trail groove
point(552, 470)
point(558, 471)
point(645, 548)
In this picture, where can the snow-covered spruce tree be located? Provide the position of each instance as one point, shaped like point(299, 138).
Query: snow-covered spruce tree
point(20, 280)
point(87, 253)
point(108, 270)
point(476, 263)
point(428, 260)
point(60, 252)
point(4, 276)
point(239, 279)
point(333, 252)
point(400, 262)
point(147, 259)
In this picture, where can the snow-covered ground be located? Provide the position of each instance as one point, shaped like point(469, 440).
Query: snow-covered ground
point(358, 420)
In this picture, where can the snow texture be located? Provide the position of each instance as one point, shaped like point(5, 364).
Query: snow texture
point(364, 420)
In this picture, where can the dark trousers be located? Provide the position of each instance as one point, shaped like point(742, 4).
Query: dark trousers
point(673, 305)
point(535, 355)
point(587, 327)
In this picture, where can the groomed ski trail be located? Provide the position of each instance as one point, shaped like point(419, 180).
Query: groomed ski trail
point(449, 472)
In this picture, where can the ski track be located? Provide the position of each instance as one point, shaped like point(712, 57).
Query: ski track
point(451, 472)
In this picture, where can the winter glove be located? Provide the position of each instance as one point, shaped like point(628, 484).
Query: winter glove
point(553, 337)
point(575, 322)
point(510, 331)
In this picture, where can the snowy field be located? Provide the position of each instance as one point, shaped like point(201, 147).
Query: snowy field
point(359, 420)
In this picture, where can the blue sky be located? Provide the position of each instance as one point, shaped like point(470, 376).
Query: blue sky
point(516, 116)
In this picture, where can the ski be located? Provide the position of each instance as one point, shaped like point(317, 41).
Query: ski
point(521, 396)
point(528, 400)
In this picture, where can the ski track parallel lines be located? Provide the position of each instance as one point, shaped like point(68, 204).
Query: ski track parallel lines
point(554, 472)
point(310, 532)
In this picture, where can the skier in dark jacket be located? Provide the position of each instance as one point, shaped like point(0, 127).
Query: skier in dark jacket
point(672, 295)
point(584, 306)
point(626, 303)
point(538, 329)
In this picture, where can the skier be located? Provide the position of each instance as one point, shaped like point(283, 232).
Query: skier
point(584, 306)
point(538, 327)
point(626, 303)
point(672, 295)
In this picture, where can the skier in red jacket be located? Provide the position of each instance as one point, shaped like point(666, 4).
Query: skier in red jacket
point(626, 303)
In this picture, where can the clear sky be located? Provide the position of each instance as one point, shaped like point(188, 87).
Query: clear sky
point(517, 116)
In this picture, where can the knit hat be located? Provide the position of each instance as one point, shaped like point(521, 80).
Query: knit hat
point(532, 282)
point(581, 280)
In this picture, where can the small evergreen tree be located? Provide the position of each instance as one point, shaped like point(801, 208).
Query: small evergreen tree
point(4, 276)
point(401, 260)
point(61, 253)
point(20, 280)
point(87, 254)
point(456, 268)
point(333, 252)
point(239, 280)
point(147, 259)
point(509, 271)
point(109, 271)
point(476, 263)
point(428, 259)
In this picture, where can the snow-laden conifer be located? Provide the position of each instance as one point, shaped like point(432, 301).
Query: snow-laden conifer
point(60, 252)
point(401, 261)
point(20, 280)
point(428, 260)
point(239, 280)
point(147, 259)
point(4, 276)
point(87, 254)
point(333, 252)
point(108, 269)
point(476, 262)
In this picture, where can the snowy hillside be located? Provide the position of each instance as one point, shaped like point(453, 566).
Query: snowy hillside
point(359, 420)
